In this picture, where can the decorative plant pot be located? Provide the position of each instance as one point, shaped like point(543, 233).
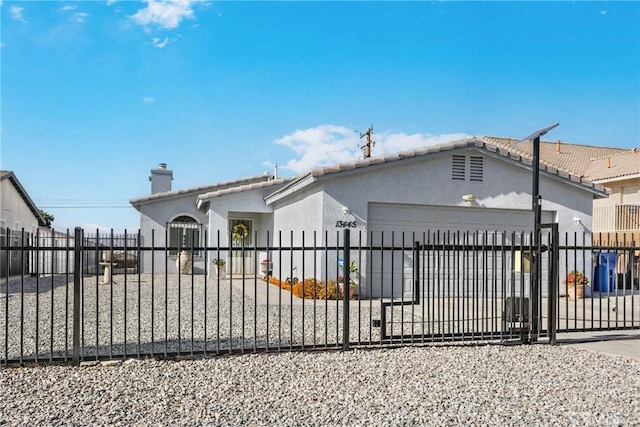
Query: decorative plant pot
point(575, 291)
point(266, 268)
point(183, 263)
point(352, 289)
point(220, 272)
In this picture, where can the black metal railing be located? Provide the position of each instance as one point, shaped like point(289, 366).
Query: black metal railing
point(290, 292)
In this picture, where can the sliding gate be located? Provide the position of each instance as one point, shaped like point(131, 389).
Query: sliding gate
point(474, 286)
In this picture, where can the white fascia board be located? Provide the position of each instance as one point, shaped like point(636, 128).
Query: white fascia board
point(200, 203)
point(616, 179)
point(290, 189)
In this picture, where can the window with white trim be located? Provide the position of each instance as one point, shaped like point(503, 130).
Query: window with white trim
point(184, 232)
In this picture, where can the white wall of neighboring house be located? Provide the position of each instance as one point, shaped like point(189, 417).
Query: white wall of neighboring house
point(15, 213)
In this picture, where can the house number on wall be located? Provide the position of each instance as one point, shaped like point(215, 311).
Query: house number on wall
point(346, 224)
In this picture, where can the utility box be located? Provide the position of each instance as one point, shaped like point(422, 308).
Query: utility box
point(522, 261)
point(516, 310)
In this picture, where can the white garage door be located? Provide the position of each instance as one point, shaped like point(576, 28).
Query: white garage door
point(401, 224)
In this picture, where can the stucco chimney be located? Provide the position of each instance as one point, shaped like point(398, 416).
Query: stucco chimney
point(161, 178)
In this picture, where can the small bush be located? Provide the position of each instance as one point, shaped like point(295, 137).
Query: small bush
point(309, 288)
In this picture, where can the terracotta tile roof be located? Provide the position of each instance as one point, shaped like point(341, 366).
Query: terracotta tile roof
point(617, 166)
point(573, 158)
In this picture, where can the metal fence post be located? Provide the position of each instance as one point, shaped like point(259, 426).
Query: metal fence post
point(552, 320)
point(416, 272)
point(345, 289)
point(77, 270)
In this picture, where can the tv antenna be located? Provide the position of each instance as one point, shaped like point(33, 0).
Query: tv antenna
point(367, 146)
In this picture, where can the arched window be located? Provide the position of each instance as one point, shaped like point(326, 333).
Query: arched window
point(184, 233)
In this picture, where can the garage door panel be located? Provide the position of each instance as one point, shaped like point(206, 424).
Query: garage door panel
point(489, 272)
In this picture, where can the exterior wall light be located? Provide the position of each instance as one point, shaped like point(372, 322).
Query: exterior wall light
point(468, 198)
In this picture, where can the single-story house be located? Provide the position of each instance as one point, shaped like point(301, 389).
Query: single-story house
point(17, 213)
point(466, 185)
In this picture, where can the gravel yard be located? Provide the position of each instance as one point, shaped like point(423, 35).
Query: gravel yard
point(462, 384)
point(437, 385)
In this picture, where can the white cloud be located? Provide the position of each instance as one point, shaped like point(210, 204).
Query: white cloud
point(159, 44)
point(68, 7)
point(17, 13)
point(165, 13)
point(79, 17)
point(331, 144)
point(111, 2)
point(148, 100)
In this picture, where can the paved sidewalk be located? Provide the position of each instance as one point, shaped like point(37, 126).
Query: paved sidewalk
point(620, 343)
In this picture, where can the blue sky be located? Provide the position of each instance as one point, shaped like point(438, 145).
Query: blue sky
point(97, 93)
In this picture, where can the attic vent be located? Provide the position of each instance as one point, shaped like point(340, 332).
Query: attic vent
point(458, 168)
point(475, 168)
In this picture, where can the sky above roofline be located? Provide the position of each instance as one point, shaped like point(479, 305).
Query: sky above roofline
point(96, 93)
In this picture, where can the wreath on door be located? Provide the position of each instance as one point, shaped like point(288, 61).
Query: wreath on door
point(240, 231)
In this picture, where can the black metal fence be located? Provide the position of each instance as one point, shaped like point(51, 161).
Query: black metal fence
point(307, 292)
point(13, 262)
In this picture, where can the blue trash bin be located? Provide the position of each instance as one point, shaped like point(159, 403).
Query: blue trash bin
point(605, 274)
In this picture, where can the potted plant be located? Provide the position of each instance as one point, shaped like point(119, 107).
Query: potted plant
point(353, 278)
point(219, 264)
point(575, 282)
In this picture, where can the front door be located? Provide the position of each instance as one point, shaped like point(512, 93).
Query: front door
point(241, 238)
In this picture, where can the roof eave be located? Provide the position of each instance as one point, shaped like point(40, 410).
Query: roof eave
point(603, 181)
point(294, 186)
point(25, 196)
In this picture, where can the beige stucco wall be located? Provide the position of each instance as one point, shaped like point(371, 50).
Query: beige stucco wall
point(616, 188)
point(14, 211)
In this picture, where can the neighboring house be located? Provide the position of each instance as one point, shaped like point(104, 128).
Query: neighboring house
point(614, 218)
point(466, 185)
point(18, 213)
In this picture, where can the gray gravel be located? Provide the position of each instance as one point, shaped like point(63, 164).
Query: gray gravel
point(439, 385)
point(158, 314)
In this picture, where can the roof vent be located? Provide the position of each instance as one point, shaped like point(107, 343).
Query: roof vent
point(162, 165)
